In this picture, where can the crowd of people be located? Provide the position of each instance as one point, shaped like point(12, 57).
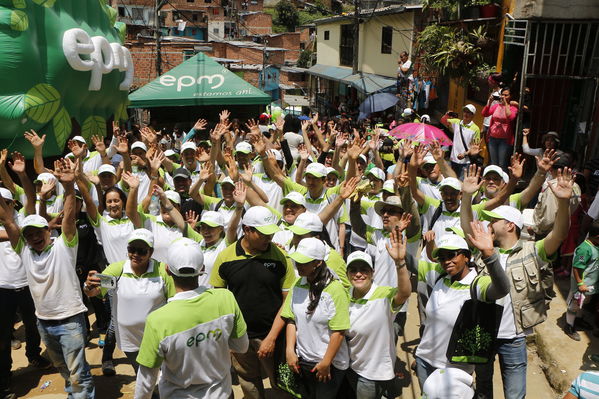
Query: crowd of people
point(285, 250)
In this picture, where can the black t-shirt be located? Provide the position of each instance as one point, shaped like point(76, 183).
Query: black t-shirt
point(593, 182)
point(189, 204)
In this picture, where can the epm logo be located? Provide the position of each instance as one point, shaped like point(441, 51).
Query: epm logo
point(201, 336)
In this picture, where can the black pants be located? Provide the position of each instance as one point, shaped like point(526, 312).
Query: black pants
point(10, 301)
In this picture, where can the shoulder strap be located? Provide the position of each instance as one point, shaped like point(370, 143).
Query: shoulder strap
point(436, 216)
point(462, 136)
point(220, 203)
point(473, 295)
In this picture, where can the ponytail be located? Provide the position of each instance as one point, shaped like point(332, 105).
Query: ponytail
point(322, 279)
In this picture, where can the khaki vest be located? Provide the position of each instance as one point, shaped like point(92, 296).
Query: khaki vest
point(531, 284)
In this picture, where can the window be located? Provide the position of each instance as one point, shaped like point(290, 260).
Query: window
point(326, 34)
point(346, 45)
point(194, 16)
point(386, 40)
point(121, 11)
point(175, 15)
point(215, 31)
point(190, 1)
point(215, 11)
point(137, 13)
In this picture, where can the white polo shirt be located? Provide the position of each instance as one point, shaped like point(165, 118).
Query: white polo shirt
point(272, 190)
point(113, 235)
point(52, 278)
point(429, 188)
point(210, 254)
point(314, 330)
point(12, 271)
point(135, 297)
point(190, 338)
point(164, 234)
point(371, 337)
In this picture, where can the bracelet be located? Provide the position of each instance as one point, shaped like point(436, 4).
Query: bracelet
point(154, 177)
point(401, 265)
point(579, 284)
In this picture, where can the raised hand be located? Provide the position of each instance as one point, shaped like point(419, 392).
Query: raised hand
point(240, 193)
point(437, 151)
point(472, 182)
point(3, 156)
point(403, 178)
point(546, 161)
point(525, 132)
point(481, 238)
point(405, 149)
point(247, 174)
point(206, 171)
point(356, 148)
point(373, 143)
point(18, 163)
point(418, 156)
point(224, 115)
point(259, 143)
point(404, 221)
point(156, 160)
point(47, 188)
point(474, 148)
point(562, 187)
point(429, 236)
point(35, 140)
point(397, 245)
point(348, 187)
point(516, 167)
point(99, 144)
point(192, 218)
point(340, 141)
point(131, 180)
point(305, 125)
point(148, 135)
point(303, 152)
point(253, 126)
point(200, 124)
point(122, 146)
point(65, 169)
point(314, 118)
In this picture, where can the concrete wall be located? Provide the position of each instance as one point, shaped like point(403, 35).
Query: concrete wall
point(557, 9)
point(370, 60)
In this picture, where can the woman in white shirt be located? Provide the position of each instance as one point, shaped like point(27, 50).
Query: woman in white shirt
point(317, 314)
point(372, 309)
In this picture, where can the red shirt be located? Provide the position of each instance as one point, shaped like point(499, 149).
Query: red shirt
point(501, 127)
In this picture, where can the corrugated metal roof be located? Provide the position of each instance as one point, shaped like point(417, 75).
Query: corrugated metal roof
point(363, 82)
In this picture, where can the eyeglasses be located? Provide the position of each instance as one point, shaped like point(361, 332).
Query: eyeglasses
point(447, 255)
point(391, 211)
point(138, 250)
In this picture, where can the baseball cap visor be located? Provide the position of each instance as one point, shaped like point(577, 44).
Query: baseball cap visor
point(300, 231)
point(300, 258)
point(268, 229)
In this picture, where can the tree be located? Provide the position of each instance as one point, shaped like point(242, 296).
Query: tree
point(305, 59)
point(287, 15)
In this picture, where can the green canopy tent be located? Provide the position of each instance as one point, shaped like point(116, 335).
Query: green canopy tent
point(199, 81)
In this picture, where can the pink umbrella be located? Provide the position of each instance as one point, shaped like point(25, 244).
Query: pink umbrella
point(420, 132)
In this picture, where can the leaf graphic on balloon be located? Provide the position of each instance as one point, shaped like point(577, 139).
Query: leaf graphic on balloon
point(45, 3)
point(62, 127)
point(93, 126)
point(42, 102)
point(19, 4)
point(121, 112)
point(19, 21)
point(12, 107)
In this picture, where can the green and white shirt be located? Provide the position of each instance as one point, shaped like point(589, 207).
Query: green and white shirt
point(314, 330)
point(190, 339)
point(446, 220)
point(371, 337)
point(12, 271)
point(113, 234)
point(272, 190)
point(135, 297)
point(164, 234)
point(52, 278)
point(586, 259)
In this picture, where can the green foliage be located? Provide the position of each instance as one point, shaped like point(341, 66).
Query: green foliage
point(19, 21)
point(475, 340)
point(453, 52)
point(287, 15)
point(305, 59)
point(94, 125)
point(42, 102)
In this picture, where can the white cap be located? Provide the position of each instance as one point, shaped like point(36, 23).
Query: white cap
point(227, 180)
point(425, 118)
point(493, 168)
point(449, 383)
point(316, 169)
point(106, 168)
point(213, 218)
point(451, 182)
point(243, 147)
point(295, 197)
point(376, 172)
point(173, 196)
point(262, 219)
point(139, 144)
point(332, 170)
point(469, 107)
point(363, 158)
point(188, 145)
point(505, 212)
point(310, 249)
point(293, 139)
point(277, 154)
point(407, 111)
point(359, 256)
point(394, 201)
point(34, 221)
point(506, 177)
point(79, 139)
point(451, 242)
point(6, 194)
point(169, 153)
point(389, 186)
point(428, 158)
point(305, 223)
point(45, 178)
point(142, 235)
point(185, 258)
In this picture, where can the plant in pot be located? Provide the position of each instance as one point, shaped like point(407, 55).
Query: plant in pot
point(470, 9)
point(449, 8)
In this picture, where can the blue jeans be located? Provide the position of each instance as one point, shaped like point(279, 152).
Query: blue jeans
point(458, 168)
point(423, 371)
point(499, 151)
point(512, 361)
point(65, 341)
point(370, 389)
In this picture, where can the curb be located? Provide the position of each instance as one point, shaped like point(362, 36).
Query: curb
point(556, 375)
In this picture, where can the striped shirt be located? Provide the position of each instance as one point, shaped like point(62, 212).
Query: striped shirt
point(586, 385)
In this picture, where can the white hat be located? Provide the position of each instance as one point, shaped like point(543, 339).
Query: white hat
point(469, 107)
point(139, 144)
point(393, 201)
point(170, 153)
point(293, 139)
point(363, 158)
point(277, 154)
point(173, 196)
point(493, 168)
point(505, 212)
point(377, 173)
point(451, 182)
point(213, 218)
point(449, 383)
point(359, 256)
point(428, 158)
point(6, 194)
point(425, 118)
point(185, 258)
point(142, 235)
point(79, 139)
point(332, 170)
point(262, 219)
point(451, 242)
point(295, 197)
point(45, 178)
point(106, 168)
point(316, 169)
point(188, 145)
point(34, 221)
point(407, 111)
point(243, 147)
point(227, 180)
point(310, 249)
point(389, 186)
point(305, 223)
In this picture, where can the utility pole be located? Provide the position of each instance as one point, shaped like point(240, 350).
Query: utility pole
point(356, 43)
point(157, 34)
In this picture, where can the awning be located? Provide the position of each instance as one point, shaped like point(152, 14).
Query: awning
point(296, 101)
point(366, 83)
point(198, 81)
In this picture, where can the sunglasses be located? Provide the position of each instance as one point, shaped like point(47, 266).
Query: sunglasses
point(447, 255)
point(358, 268)
point(391, 211)
point(138, 251)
